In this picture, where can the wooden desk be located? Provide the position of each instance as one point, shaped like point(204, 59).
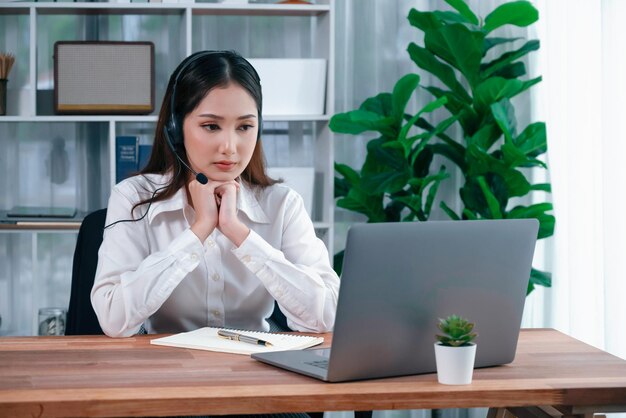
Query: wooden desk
point(100, 376)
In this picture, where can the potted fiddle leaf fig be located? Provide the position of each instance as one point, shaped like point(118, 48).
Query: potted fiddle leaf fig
point(477, 74)
point(455, 351)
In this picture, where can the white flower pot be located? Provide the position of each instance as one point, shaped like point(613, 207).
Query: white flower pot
point(455, 365)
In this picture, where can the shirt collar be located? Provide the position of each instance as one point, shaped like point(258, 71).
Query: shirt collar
point(176, 202)
point(247, 203)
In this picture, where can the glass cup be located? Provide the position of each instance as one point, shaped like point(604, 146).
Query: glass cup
point(52, 321)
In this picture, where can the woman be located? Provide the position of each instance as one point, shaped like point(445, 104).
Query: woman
point(178, 254)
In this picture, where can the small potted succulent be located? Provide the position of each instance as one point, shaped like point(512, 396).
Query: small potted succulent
point(455, 351)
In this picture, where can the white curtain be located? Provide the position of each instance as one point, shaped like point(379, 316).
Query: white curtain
point(583, 100)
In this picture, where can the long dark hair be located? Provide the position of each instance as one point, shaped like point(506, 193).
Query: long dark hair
point(202, 72)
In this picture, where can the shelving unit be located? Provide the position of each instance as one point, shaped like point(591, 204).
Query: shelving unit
point(37, 258)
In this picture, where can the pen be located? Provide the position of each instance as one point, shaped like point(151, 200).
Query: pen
point(243, 338)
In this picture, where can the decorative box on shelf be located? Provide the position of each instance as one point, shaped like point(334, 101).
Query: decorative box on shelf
point(292, 86)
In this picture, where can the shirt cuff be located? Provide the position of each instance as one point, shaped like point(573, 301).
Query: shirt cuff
point(254, 252)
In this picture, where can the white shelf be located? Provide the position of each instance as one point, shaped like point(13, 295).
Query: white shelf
point(164, 8)
point(39, 255)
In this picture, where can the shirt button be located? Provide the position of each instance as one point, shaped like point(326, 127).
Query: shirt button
point(216, 277)
point(217, 313)
point(211, 243)
point(194, 257)
point(246, 258)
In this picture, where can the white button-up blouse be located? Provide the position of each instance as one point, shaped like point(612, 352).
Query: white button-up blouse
point(156, 272)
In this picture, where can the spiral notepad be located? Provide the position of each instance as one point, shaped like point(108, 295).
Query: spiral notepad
point(207, 339)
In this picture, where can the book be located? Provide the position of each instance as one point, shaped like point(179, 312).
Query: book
point(207, 339)
point(126, 156)
point(131, 156)
point(144, 156)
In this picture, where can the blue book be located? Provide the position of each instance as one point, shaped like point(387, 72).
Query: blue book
point(144, 156)
point(126, 156)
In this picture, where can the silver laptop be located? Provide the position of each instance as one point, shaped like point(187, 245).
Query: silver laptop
point(399, 278)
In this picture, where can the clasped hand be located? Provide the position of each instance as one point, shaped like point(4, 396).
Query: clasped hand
point(215, 204)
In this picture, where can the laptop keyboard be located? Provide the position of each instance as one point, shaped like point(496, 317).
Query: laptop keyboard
point(322, 364)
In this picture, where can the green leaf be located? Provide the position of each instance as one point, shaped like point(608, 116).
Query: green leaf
point(507, 58)
point(502, 119)
point(481, 163)
point(402, 92)
point(429, 62)
point(359, 121)
point(485, 195)
point(541, 278)
point(538, 211)
point(468, 214)
point(486, 136)
point(492, 202)
point(348, 173)
point(513, 156)
point(538, 278)
point(451, 153)
point(381, 104)
point(532, 141)
point(449, 211)
point(518, 13)
point(423, 20)
point(457, 149)
point(386, 182)
point(532, 211)
point(440, 128)
point(385, 168)
point(462, 7)
point(459, 47)
point(421, 159)
point(430, 107)
point(350, 179)
point(359, 201)
point(413, 203)
point(454, 104)
point(432, 191)
point(492, 42)
point(495, 89)
point(542, 187)
point(448, 17)
point(511, 71)
point(379, 157)
point(342, 187)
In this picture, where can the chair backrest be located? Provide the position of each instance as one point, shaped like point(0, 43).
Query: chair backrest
point(81, 318)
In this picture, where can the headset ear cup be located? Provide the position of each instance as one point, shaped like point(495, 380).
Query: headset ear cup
point(172, 132)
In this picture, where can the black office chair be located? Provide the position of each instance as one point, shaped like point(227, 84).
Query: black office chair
point(81, 318)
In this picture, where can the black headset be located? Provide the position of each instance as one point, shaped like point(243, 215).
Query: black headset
point(173, 130)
